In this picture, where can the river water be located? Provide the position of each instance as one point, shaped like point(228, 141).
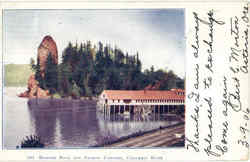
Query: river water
point(65, 128)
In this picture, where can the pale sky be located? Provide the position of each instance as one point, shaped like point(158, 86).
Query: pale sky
point(158, 35)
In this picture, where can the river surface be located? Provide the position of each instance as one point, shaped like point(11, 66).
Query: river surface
point(65, 128)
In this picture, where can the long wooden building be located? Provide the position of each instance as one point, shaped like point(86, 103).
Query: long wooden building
point(141, 101)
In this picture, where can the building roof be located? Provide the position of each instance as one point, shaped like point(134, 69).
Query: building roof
point(143, 94)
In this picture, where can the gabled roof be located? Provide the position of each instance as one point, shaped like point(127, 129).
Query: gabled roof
point(143, 94)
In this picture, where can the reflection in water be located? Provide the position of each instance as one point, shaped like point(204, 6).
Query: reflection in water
point(119, 126)
point(44, 124)
point(65, 128)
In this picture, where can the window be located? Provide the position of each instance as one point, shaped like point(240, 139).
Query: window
point(127, 100)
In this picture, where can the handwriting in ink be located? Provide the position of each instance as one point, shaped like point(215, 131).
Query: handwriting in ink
point(209, 138)
point(196, 84)
point(196, 46)
point(234, 97)
point(196, 95)
point(192, 144)
point(195, 117)
point(245, 14)
point(211, 19)
point(223, 147)
point(224, 134)
point(207, 82)
point(210, 23)
point(234, 54)
point(235, 30)
point(195, 143)
point(244, 129)
point(225, 94)
point(244, 68)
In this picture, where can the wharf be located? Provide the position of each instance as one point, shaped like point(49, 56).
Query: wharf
point(161, 138)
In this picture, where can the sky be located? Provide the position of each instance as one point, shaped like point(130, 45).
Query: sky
point(158, 35)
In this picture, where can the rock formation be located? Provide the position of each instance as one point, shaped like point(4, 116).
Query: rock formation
point(34, 90)
point(47, 46)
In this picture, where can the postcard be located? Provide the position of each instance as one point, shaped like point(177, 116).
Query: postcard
point(124, 81)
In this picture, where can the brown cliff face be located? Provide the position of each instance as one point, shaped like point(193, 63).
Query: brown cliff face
point(47, 46)
point(34, 90)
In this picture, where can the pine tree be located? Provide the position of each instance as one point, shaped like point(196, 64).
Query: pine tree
point(51, 74)
point(94, 69)
point(38, 76)
point(32, 65)
point(66, 79)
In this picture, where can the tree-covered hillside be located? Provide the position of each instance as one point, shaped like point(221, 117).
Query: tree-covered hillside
point(86, 70)
point(16, 75)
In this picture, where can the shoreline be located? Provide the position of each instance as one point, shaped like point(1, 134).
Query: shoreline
point(60, 104)
point(16, 90)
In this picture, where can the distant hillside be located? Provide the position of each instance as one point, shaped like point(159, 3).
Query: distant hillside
point(16, 74)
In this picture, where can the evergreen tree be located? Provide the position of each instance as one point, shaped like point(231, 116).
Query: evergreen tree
point(91, 70)
point(66, 79)
point(38, 76)
point(51, 74)
point(67, 54)
point(32, 65)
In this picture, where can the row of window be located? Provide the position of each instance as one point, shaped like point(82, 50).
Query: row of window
point(158, 101)
point(155, 101)
point(180, 93)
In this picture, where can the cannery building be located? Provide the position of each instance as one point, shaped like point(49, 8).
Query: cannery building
point(141, 101)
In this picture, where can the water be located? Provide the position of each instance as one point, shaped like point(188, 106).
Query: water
point(64, 128)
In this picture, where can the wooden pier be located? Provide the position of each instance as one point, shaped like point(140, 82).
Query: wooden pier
point(161, 138)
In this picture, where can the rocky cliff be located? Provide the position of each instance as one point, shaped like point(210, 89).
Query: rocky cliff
point(48, 45)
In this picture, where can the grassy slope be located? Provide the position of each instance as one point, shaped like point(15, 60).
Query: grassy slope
point(16, 74)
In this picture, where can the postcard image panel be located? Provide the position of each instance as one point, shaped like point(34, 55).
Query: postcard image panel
point(143, 81)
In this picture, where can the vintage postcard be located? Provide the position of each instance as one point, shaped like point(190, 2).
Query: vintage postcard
point(131, 81)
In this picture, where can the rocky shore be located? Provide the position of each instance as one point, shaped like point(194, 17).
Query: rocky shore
point(46, 47)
